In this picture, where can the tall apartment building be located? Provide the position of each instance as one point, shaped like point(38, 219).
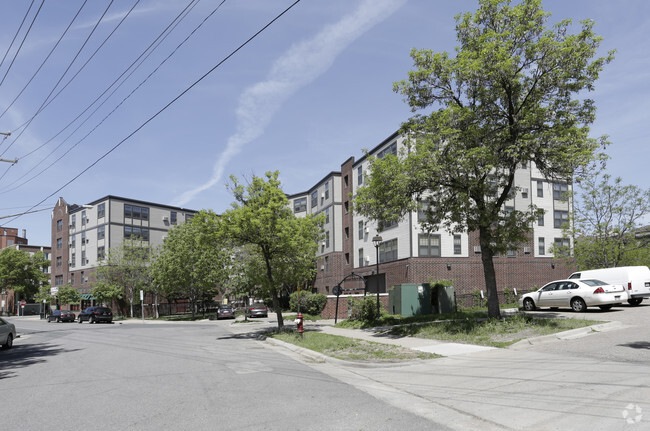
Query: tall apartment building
point(82, 235)
point(408, 254)
point(9, 236)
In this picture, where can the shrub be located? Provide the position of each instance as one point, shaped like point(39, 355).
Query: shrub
point(310, 303)
point(364, 309)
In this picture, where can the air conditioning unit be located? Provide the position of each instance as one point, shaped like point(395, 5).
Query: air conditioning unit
point(367, 230)
point(69, 263)
point(165, 218)
point(87, 240)
point(527, 250)
point(322, 267)
point(477, 249)
point(525, 190)
point(323, 243)
point(322, 195)
point(366, 258)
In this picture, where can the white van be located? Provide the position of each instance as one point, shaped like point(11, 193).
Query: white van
point(636, 280)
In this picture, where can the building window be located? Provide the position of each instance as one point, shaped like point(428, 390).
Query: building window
point(524, 194)
point(391, 149)
point(58, 280)
point(346, 206)
point(561, 246)
point(59, 261)
point(428, 245)
point(73, 223)
point(327, 190)
point(422, 211)
point(345, 181)
point(541, 247)
point(189, 217)
point(72, 278)
point(300, 205)
point(101, 232)
point(59, 225)
point(540, 220)
point(83, 238)
point(83, 258)
point(73, 260)
point(136, 232)
point(362, 259)
point(173, 218)
point(132, 211)
point(73, 241)
point(511, 252)
point(59, 243)
point(314, 198)
point(100, 253)
point(327, 264)
point(560, 191)
point(347, 232)
point(327, 239)
point(361, 230)
point(458, 245)
point(327, 215)
point(540, 189)
point(83, 279)
point(83, 218)
point(384, 225)
point(360, 175)
point(347, 258)
point(388, 251)
point(560, 218)
point(101, 210)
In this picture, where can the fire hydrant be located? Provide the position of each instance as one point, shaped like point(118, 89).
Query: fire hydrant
point(299, 326)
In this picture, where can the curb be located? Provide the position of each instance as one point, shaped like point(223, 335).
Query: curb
point(568, 335)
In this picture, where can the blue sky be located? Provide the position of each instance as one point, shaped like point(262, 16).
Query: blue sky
point(303, 96)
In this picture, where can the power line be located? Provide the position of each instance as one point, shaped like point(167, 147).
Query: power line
point(164, 108)
point(148, 51)
point(24, 38)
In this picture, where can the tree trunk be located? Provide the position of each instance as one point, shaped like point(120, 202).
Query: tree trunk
point(278, 310)
point(489, 274)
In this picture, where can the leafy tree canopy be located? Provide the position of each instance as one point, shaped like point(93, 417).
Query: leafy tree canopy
point(22, 272)
point(512, 94)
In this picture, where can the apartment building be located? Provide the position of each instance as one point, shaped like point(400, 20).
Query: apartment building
point(82, 235)
point(408, 254)
point(9, 236)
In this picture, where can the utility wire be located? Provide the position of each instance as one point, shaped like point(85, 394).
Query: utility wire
point(164, 108)
point(46, 58)
point(148, 51)
point(26, 125)
point(23, 41)
point(6, 190)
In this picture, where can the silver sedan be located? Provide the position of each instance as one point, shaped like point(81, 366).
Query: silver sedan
point(7, 334)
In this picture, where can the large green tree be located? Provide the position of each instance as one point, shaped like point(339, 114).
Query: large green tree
point(22, 272)
point(193, 260)
point(285, 245)
point(512, 94)
point(123, 272)
point(607, 218)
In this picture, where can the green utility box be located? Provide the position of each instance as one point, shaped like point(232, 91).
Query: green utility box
point(443, 299)
point(409, 299)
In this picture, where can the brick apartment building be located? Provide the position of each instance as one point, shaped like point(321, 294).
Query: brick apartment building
point(407, 254)
point(83, 234)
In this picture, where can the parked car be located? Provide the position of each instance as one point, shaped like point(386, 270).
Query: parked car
point(225, 311)
point(257, 310)
point(636, 280)
point(7, 334)
point(576, 294)
point(96, 315)
point(61, 316)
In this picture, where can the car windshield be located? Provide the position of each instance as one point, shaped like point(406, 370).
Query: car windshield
point(593, 282)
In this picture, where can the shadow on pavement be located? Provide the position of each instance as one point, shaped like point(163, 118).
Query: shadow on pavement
point(637, 345)
point(22, 356)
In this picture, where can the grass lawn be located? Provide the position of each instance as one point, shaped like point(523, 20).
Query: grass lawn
point(351, 349)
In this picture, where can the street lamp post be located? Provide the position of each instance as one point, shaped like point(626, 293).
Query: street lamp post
point(377, 242)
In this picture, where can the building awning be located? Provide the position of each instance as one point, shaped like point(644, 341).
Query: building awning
point(87, 296)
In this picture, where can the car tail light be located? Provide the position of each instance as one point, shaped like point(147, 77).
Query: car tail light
point(629, 286)
point(599, 290)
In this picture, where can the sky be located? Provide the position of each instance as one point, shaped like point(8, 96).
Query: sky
point(164, 100)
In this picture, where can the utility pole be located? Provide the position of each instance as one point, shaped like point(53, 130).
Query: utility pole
point(14, 161)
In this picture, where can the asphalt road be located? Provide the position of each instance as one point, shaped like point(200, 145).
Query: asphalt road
point(184, 376)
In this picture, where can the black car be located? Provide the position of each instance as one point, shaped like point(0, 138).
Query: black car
point(96, 315)
point(225, 311)
point(61, 316)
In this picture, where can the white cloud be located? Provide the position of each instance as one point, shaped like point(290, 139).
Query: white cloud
point(300, 65)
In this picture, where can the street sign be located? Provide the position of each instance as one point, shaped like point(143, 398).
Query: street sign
point(23, 303)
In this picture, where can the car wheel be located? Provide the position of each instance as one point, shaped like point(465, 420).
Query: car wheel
point(9, 342)
point(578, 305)
point(58, 320)
point(529, 304)
point(634, 301)
point(606, 307)
point(91, 320)
point(80, 321)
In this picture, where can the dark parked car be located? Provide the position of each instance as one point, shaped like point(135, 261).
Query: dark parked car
point(61, 316)
point(225, 311)
point(96, 315)
point(7, 334)
point(257, 310)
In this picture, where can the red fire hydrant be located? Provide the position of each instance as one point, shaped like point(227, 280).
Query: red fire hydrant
point(299, 326)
